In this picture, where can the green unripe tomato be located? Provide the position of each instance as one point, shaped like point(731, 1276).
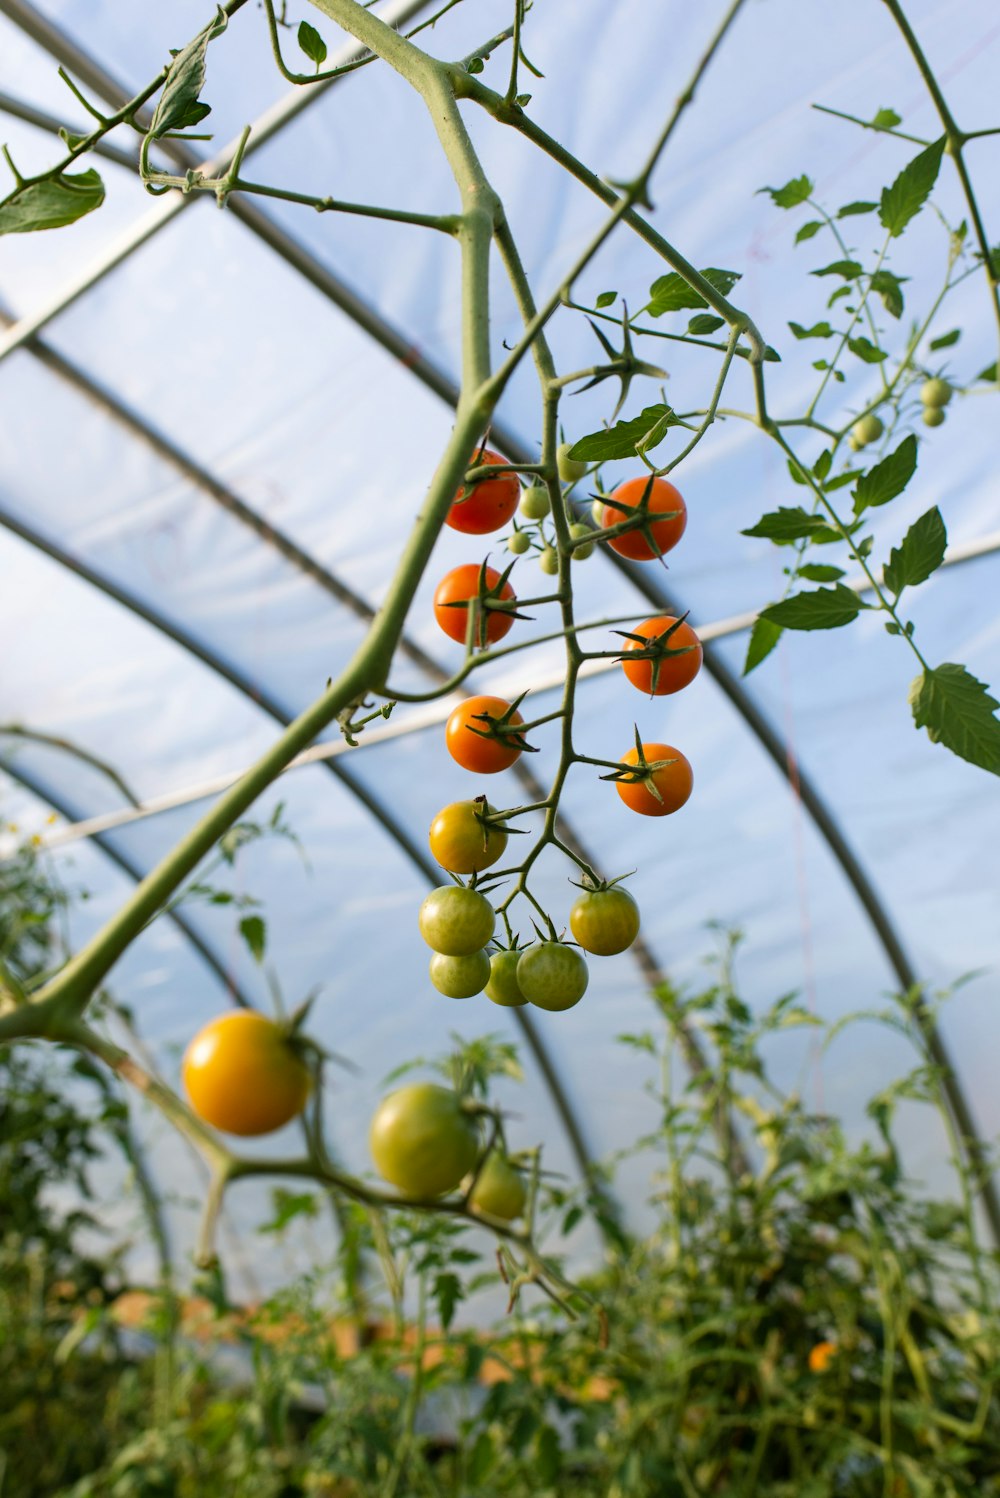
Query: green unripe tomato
point(854, 444)
point(535, 503)
point(577, 532)
point(936, 392)
point(868, 429)
point(503, 987)
point(597, 510)
point(500, 1189)
point(549, 561)
point(570, 469)
point(552, 976)
point(605, 921)
point(460, 977)
point(933, 416)
point(456, 921)
point(518, 542)
point(422, 1140)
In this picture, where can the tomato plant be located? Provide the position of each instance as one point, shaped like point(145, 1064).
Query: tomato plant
point(499, 1190)
point(460, 977)
point(605, 920)
point(488, 505)
point(479, 735)
point(462, 841)
point(243, 1074)
point(655, 537)
point(664, 787)
point(422, 1140)
point(456, 921)
point(476, 587)
point(552, 975)
point(660, 672)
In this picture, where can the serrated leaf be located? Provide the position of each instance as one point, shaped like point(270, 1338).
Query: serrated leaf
point(904, 199)
point(254, 933)
point(818, 330)
point(958, 712)
point(624, 438)
point(448, 1291)
point(606, 298)
point(888, 478)
point(763, 638)
point(824, 608)
point(890, 288)
point(52, 204)
point(792, 194)
point(785, 525)
point(850, 209)
point(846, 268)
point(179, 106)
point(947, 339)
point(888, 119)
point(311, 43)
point(671, 293)
point(820, 572)
point(864, 349)
point(808, 230)
point(705, 322)
point(920, 553)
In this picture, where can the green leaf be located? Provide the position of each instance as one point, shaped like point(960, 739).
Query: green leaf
point(958, 712)
point(890, 288)
point(705, 322)
point(671, 293)
point(824, 608)
point(448, 1292)
point(820, 572)
point(847, 477)
point(846, 268)
point(287, 1206)
point(818, 330)
point(763, 638)
point(482, 1459)
point(312, 43)
point(179, 106)
point(625, 437)
point(888, 119)
point(785, 525)
point(920, 553)
point(849, 209)
point(864, 349)
point(606, 298)
point(254, 933)
point(904, 199)
point(796, 472)
point(792, 194)
point(947, 339)
point(823, 464)
point(807, 230)
point(52, 204)
point(989, 374)
point(888, 478)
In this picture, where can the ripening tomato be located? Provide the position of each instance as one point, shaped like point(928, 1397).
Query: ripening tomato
point(461, 586)
point(552, 975)
point(422, 1139)
point(461, 842)
point(456, 921)
point(661, 497)
point(463, 736)
point(503, 987)
point(460, 977)
point(242, 1074)
point(499, 1190)
point(605, 921)
point(570, 469)
point(486, 506)
point(673, 782)
point(668, 673)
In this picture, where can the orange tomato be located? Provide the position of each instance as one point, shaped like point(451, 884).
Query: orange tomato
point(669, 673)
point(242, 1074)
point(461, 842)
point(661, 497)
point(464, 731)
point(461, 585)
point(486, 506)
point(673, 782)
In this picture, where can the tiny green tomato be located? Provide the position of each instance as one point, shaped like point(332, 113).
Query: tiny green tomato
point(570, 469)
point(579, 532)
point(460, 977)
point(549, 561)
point(936, 392)
point(503, 987)
point(518, 542)
point(535, 504)
point(499, 1190)
point(933, 416)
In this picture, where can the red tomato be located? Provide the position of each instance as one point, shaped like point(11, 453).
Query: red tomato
point(486, 506)
point(669, 673)
point(661, 496)
point(673, 782)
point(461, 585)
point(464, 731)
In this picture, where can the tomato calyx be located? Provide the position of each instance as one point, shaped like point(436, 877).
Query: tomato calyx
point(655, 648)
point(594, 886)
point(643, 771)
point(504, 730)
point(639, 518)
point(489, 600)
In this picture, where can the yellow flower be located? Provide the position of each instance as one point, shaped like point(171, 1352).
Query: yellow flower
point(821, 1356)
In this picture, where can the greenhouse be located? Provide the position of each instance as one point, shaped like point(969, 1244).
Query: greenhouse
point(511, 486)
